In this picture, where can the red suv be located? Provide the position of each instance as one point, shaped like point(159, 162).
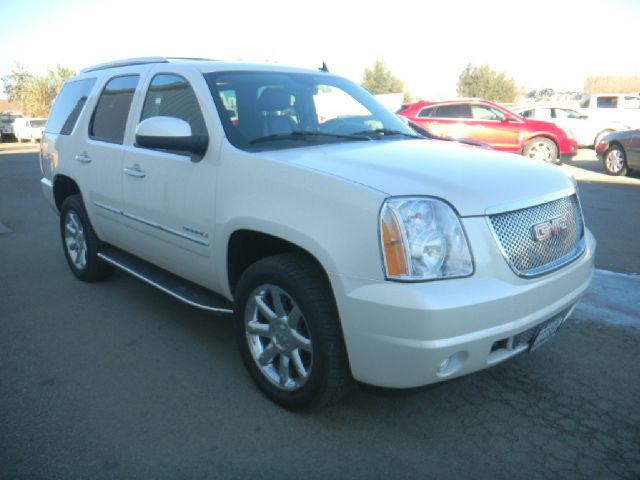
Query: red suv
point(494, 125)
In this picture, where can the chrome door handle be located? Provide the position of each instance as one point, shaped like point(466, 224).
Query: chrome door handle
point(135, 172)
point(83, 158)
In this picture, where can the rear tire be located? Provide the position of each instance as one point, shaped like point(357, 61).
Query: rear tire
point(288, 332)
point(80, 242)
point(542, 148)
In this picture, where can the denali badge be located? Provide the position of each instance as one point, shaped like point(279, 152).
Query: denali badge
point(553, 227)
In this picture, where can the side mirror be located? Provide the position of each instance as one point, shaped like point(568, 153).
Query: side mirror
point(170, 133)
point(509, 119)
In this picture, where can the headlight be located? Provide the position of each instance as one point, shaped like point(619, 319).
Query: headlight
point(422, 239)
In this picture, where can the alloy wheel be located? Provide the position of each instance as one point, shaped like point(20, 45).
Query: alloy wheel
point(75, 241)
point(278, 337)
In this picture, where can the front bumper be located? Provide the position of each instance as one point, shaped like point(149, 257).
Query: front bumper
point(399, 334)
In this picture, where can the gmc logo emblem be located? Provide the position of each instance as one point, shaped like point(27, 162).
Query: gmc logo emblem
point(551, 228)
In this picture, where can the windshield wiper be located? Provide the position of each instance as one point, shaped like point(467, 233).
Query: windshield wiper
point(386, 132)
point(303, 135)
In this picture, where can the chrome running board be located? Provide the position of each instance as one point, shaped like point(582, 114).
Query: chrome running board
point(179, 288)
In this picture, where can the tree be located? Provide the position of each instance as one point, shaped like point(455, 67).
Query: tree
point(380, 80)
point(35, 92)
point(484, 82)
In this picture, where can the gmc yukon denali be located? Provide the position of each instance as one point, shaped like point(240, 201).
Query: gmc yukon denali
point(346, 246)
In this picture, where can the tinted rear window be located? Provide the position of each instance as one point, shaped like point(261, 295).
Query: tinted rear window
point(68, 106)
point(110, 116)
point(458, 110)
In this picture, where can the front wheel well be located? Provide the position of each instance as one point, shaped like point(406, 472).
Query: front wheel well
point(541, 136)
point(63, 187)
point(246, 247)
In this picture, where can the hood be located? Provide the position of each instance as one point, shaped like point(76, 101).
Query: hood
point(473, 180)
point(543, 125)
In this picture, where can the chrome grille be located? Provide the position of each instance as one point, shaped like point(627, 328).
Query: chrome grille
point(529, 257)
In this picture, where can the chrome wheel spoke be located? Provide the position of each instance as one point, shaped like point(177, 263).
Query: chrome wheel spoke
point(303, 342)
point(264, 308)
point(294, 317)
point(283, 370)
point(257, 328)
point(298, 365)
point(277, 303)
point(268, 354)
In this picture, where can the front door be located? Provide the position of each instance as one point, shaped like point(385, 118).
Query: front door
point(168, 197)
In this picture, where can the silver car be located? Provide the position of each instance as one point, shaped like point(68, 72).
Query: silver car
point(620, 152)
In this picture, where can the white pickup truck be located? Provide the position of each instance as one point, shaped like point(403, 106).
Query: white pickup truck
point(347, 247)
point(622, 108)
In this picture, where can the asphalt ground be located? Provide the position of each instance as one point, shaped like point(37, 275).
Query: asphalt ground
point(117, 380)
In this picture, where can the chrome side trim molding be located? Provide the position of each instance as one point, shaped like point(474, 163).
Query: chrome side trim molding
point(107, 207)
point(151, 224)
point(151, 282)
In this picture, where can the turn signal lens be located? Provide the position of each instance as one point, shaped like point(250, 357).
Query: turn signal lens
point(394, 251)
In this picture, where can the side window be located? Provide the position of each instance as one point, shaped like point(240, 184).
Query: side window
point(171, 96)
point(110, 116)
point(631, 102)
point(457, 110)
point(527, 113)
point(482, 112)
point(426, 112)
point(68, 106)
point(607, 102)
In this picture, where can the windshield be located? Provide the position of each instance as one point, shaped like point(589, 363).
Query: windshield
point(38, 123)
point(271, 110)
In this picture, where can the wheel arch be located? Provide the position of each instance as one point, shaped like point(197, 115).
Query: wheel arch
point(63, 187)
point(245, 247)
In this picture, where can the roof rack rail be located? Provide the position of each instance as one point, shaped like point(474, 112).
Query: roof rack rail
point(137, 61)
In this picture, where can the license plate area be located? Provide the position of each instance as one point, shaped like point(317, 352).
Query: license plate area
point(547, 330)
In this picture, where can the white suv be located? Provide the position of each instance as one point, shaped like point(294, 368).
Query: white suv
point(346, 245)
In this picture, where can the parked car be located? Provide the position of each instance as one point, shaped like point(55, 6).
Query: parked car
point(619, 107)
point(6, 126)
point(620, 152)
point(494, 125)
point(587, 131)
point(347, 247)
point(30, 129)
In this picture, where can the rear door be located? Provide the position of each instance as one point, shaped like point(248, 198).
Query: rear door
point(449, 120)
point(99, 158)
point(168, 196)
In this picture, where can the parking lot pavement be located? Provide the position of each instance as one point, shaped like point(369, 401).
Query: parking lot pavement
point(7, 147)
point(117, 380)
point(585, 167)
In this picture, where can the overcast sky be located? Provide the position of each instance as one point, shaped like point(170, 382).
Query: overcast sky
point(541, 43)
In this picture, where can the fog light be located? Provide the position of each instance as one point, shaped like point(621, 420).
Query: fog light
point(452, 364)
point(444, 365)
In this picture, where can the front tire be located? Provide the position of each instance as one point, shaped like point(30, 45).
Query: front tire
point(288, 332)
point(80, 242)
point(615, 161)
point(542, 148)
